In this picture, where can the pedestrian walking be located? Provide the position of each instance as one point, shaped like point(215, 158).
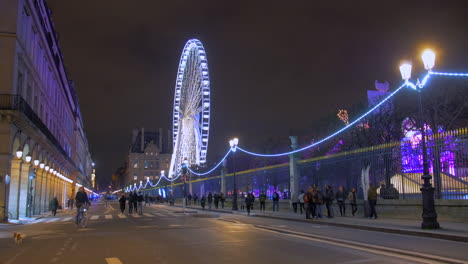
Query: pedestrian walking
point(262, 198)
point(329, 197)
point(372, 197)
point(189, 197)
point(300, 200)
point(275, 201)
point(53, 205)
point(242, 201)
point(216, 200)
point(122, 201)
point(248, 203)
point(140, 203)
point(202, 202)
point(222, 199)
point(252, 200)
point(318, 202)
point(195, 199)
point(135, 202)
point(210, 201)
point(130, 203)
point(147, 200)
point(307, 197)
point(353, 200)
point(340, 199)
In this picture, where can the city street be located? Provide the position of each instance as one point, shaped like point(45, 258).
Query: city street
point(165, 234)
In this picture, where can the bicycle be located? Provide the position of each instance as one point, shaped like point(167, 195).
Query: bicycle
point(82, 216)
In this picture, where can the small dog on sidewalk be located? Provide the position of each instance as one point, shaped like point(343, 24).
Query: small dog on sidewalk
point(18, 237)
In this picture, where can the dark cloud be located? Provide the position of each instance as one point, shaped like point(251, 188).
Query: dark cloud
point(274, 65)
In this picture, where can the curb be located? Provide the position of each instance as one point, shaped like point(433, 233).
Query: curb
point(363, 245)
point(374, 228)
point(361, 227)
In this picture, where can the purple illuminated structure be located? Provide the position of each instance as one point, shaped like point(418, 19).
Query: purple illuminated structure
point(411, 153)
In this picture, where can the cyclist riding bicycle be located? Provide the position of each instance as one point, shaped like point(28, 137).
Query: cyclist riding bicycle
point(81, 200)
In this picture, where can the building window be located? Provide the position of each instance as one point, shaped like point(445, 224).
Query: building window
point(146, 164)
point(135, 177)
point(135, 164)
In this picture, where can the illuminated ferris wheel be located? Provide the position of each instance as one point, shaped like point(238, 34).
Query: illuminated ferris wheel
point(191, 116)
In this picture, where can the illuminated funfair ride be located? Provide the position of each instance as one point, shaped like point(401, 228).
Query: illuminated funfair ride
point(191, 113)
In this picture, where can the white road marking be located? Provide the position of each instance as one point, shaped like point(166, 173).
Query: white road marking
point(148, 215)
point(113, 261)
point(94, 217)
point(135, 216)
point(40, 220)
point(159, 214)
point(172, 214)
point(51, 220)
point(173, 225)
point(67, 219)
point(108, 216)
point(122, 216)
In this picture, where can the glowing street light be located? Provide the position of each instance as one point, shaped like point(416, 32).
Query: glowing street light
point(405, 70)
point(19, 154)
point(428, 58)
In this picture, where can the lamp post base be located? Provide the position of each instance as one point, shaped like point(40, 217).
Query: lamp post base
point(429, 214)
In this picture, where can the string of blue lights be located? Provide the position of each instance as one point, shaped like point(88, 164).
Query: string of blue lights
point(214, 168)
point(406, 84)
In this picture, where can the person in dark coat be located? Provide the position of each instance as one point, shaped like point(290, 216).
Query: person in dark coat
point(318, 197)
point(222, 199)
point(130, 203)
point(372, 197)
point(210, 200)
point(122, 201)
point(340, 199)
point(329, 197)
point(202, 202)
point(216, 200)
point(248, 202)
point(54, 204)
point(352, 197)
point(135, 202)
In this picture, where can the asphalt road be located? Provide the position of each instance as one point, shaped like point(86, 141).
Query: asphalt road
point(168, 235)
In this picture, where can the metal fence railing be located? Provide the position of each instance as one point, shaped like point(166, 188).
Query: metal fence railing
point(395, 168)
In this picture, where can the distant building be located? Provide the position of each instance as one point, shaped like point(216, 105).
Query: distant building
point(43, 147)
point(149, 155)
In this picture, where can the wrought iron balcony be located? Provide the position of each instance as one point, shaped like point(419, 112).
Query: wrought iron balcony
point(17, 103)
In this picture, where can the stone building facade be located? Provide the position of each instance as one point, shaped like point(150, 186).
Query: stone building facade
point(43, 147)
point(148, 156)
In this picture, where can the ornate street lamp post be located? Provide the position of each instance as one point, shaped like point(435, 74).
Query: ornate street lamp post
point(233, 143)
point(429, 214)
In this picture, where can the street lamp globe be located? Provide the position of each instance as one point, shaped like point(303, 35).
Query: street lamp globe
point(428, 58)
point(41, 165)
point(19, 154)
point(36, 162)
point(405, 70)
point(28, 158)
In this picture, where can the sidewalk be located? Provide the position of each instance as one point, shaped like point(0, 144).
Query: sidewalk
point(454, 231)
point(27, 220)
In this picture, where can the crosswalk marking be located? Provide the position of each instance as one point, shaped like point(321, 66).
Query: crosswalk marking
point(158, 214)
point(135, 215)
point(108, 216)
point(94, 217)
point(122, 216)
point(172, 214)
point(147, 215)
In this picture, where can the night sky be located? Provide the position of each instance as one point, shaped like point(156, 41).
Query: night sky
point(274, 65)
